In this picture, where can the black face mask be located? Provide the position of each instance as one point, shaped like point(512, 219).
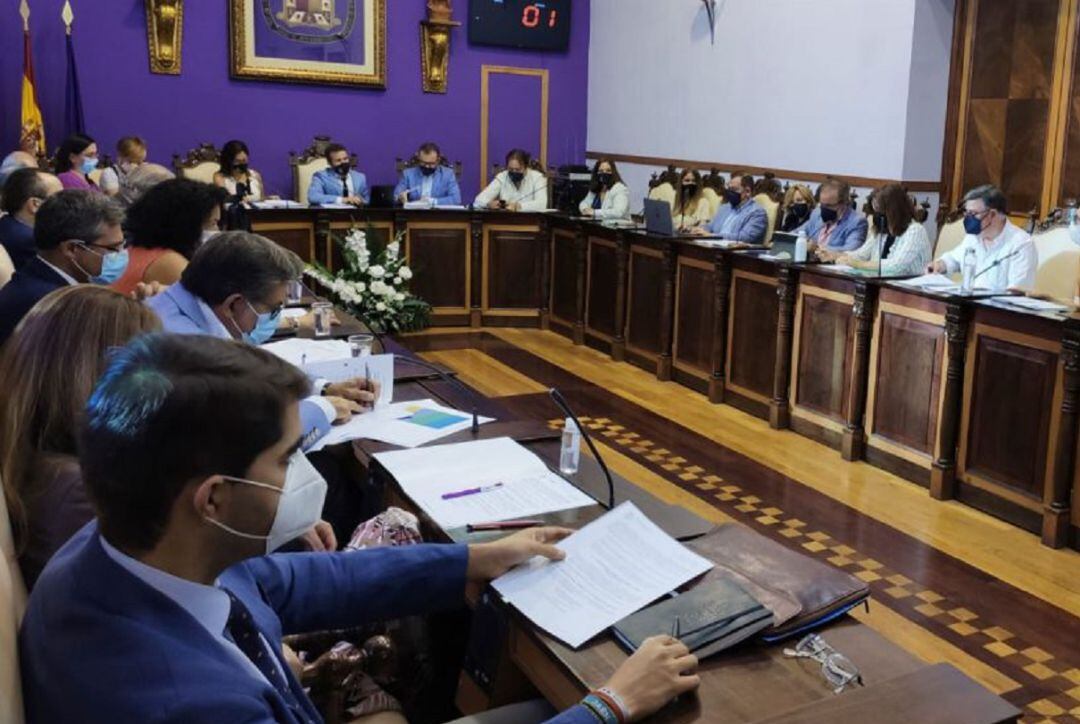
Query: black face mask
point(688, 190)
point(604, 179)
point(517, 177)
point(800, 210)
point(428, 170)
point(733, 197)
point(881, 222)
point(241, 167)
point(828, 215)
point(342, 169)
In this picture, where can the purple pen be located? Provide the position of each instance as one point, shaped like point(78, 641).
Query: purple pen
point(470, 491)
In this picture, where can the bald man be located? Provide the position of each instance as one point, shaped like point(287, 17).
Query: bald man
point(14, 161)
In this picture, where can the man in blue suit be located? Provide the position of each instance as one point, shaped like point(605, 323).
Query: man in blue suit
point(23, 193)
point(169, 608)
point(78, 239)
point(340, 183)
point(235, 288)
point(740, 218)
point(834, 227)
point(429, 180)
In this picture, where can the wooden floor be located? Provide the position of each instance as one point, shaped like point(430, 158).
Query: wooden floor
point(949, 583)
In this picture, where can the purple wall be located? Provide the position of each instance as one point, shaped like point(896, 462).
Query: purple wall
point(175, 113)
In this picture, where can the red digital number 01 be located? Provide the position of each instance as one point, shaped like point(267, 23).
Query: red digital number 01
point(530, 18)
point(553, 18)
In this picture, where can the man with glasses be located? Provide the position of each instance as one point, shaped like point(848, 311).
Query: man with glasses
point(429, 180)
point(340, 183)
point(78, 240)
point(1005, 256)
point(834, 227)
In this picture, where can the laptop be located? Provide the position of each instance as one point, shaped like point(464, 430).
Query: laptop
point(658, 218)
point(783, 241)
point(382, 197)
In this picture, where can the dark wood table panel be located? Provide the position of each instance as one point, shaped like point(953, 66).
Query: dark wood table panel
point(823, 356)
point(695, 318)
point(602, 287)
point(511, 272)
point(646, 289)
point(751, 348)
point(564, 279)
point(439, 257)
point(908, 382)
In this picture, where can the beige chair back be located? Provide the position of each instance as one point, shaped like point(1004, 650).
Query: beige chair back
point(713, 199)
point(950, 237)
point(663, 192)
point(7, 268)
point(1059, 264)
point(309, 162)
point(772, 209)
point(12, 606)
point(199, 164)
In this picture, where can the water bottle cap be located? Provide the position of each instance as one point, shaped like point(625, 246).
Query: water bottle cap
point(568, 424)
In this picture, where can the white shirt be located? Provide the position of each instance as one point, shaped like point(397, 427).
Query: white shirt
point(532, 194)
point(909, 255)
point(1008, 261)
point(67, 277)
point(616, 203)
point(208, 605)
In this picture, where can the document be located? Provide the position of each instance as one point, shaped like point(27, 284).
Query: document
point(301, 352)
point(613, 567)
point(377, 367)
point(278, 204)
point(406, 424)
point(480, 481)
point(1035, 305)
point(931, 281)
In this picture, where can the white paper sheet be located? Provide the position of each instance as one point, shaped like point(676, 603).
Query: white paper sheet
point(930, 281)
point(396, 424)
point(614, 566)
point(301, 352)
point(528, 487)
point(377, 367)
point(1038, 305)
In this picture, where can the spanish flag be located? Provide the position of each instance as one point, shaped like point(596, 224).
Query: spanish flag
point(32, 137)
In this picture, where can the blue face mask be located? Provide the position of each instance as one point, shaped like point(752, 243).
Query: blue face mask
point(113, 266)
point(89, 164)
point(972, 225)
point(265, 326)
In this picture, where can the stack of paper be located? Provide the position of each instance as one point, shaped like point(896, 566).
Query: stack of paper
point(405, 424)
point(931, 282)
point(480, 481)
point(1035, 305)
point(376, 367)
point(613, 567)
point(300, 352)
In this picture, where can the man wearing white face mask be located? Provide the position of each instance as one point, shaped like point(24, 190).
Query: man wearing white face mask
point(189, 450)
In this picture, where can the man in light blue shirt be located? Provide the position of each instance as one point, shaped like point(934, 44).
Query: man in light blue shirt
point(740, 218)
point(340, 183)
point(429, 180)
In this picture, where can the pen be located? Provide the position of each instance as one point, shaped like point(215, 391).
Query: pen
point(368, 386)
point(504, 525)
point(470, 491)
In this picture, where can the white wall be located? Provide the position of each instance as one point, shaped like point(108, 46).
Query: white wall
point(843, 87)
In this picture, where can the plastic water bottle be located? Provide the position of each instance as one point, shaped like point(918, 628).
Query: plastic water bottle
point(968, 280)
point(570, 452)
point(800, 248)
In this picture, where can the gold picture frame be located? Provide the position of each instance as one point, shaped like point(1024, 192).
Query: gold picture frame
point(283, 31)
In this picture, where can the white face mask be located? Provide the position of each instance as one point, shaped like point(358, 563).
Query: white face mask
point(299, 507)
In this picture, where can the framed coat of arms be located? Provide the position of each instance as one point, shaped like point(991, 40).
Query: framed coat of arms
point(337, 42)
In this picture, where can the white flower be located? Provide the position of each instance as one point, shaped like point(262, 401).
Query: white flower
point(388, 291)
point(399, 297)
point(397, 281)
point(360, 287)
point(376, 271)
point(380, 307)
point(405, 273)
point(376, 287)
point(393, 249)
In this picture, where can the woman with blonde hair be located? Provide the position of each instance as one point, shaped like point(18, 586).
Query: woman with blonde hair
point(797, 205)
point(691, 207)
point(49, 367)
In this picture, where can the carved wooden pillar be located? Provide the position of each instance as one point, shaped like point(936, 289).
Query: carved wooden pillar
point(853, 444)
point(718, 355)
point(476, 271)
point(1055, 528)
point(581, 251)
point(943, 470)
point(546, 240)
point(779, 406)
point(622, 261)
point(667, 312)
point(324, 240)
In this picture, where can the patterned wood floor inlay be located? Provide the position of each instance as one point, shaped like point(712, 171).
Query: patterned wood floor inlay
point(940, 606)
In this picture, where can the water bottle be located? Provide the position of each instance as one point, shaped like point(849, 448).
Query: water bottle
point(800, 248)
point(570, 452)
point(968, 279)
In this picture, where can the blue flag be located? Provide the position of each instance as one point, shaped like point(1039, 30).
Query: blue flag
point(73, 110)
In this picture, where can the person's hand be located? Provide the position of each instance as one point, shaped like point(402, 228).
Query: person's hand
point(698, 231)
point(826, 255)
point(513, 206)
point(357, 390)
point(588, 212)
point(661, 669)
point(354, 200)
point(321, 538)
point(488, 561)
point(935, 267)
point(495, 205)
point(343, 409)
point(403, 197)
point(145, 290)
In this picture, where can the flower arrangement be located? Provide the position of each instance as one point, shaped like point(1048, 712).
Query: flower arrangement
point(373, 284)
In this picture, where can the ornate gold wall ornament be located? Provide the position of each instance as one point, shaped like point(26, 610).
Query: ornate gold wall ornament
point(435, 45)
point(164, 33)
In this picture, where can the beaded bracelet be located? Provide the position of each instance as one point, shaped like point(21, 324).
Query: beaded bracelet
point(600, 709)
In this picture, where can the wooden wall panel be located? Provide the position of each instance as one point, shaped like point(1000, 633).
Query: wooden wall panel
point(826, 333)
point(754, 313)
point(440, 261)
point(299, 240)
point(646, 290)
point(908, 383)
point(512, 272)
point(695, 314)
point(603, 279)
point(564, 278)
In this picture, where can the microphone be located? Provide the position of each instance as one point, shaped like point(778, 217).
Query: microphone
point(996, 263)
point(565, 407)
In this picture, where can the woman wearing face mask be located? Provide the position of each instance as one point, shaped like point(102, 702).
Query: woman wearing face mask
point(691, 206)
point(130, 154)
point(236, 175)
point(165, 227)
point(50, 366)
point(518, 188)
point(897, 244)
point(608, 198)
point(76, 158)
point(798, 205)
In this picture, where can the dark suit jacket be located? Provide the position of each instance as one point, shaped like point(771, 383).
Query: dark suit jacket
point(56, 510)
point(18, 240)
point(29, 284)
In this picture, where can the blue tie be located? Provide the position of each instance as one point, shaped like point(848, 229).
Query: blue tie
point(241, 628)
